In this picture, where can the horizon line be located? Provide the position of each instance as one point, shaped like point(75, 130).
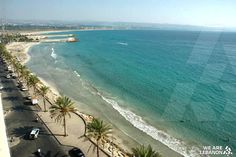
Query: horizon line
point(116, 22)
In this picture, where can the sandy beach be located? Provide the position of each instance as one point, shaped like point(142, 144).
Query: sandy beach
point(20, 50)
point(44, 32)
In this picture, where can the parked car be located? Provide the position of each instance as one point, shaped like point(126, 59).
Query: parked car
point(76, 152)
point(34, 133)
point(29, 97)
point(1, 87)
point(8, 76)
point(24, 88)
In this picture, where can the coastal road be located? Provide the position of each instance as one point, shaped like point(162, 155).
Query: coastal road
point(21, 119)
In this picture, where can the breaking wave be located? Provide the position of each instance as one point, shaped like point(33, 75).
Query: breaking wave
point(76, 73)
point(53, 54)
point(123, 43)
point(175, 144)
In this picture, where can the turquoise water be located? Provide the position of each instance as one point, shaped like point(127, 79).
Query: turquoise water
point(176, 86)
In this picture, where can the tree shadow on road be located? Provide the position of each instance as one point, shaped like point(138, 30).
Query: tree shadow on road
point(11, 98)
point(22, 132)
point(6, 81)
point(9, 89)
point(22, 108)
point(49, 154)
point(44, 132)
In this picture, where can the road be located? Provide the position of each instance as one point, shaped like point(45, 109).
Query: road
point(21, 119)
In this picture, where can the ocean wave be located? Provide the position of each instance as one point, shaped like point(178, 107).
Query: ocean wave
point(76, 73)
point(123, 43)
point(137, 121)
point(53, 54)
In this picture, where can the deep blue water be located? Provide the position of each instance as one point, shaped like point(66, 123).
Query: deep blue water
point(182, 82)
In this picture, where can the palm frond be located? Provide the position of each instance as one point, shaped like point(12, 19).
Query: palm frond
point(143, 151)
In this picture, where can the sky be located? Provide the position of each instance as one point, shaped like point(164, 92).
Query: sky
point(185, 12)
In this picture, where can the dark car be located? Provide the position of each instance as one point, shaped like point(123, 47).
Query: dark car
point(76, 152)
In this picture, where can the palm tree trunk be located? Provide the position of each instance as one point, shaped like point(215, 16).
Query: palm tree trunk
point(64, 121)
point(97, 149)
point(44, 104)
point(34, 90)
point(27, 84)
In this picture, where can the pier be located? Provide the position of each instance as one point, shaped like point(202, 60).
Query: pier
point(45, 38)
point(71, 39)
point(59, 35)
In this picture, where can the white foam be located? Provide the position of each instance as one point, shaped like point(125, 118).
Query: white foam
point(123, 43)
point(53, 54)
point(76, 73)
point(159, 135)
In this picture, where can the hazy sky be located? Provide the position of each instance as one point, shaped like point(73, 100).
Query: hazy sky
point(192, 12)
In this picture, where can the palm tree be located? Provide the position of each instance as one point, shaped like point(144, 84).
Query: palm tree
point(13, 62)
point(17, 68)
point(26, 76)
point(21, 70)
point(43, 90)
point(33, 80)
point(7, 56)
point(99, 131)
point(143, 151)
point(63, 107)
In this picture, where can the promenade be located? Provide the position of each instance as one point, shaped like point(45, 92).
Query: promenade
point(75, 130)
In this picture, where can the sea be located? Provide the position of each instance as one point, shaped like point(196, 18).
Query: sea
point(172, 87)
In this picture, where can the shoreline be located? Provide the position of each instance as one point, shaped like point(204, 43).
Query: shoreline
point(54, 91)
point(20, 51)
point(43, 32)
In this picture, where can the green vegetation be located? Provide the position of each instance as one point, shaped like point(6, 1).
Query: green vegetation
point(99, 131)
point(143, 151)
point(63, 107)
point(43, 90)
point(29, 27)
point(3, 51)
point(14, 37)
point(33, 81)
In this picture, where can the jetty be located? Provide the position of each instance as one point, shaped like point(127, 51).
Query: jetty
point(51, 38)
point(59, 35)
point(71, 39)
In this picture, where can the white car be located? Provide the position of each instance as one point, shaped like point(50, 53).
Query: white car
point(29, 97)
point(8, 76)
point(1, 87)
point(34, 133)
point(9, 68)
point(24, 88)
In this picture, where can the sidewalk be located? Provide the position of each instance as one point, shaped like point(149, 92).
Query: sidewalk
point(4, 148)
point(75, 130)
